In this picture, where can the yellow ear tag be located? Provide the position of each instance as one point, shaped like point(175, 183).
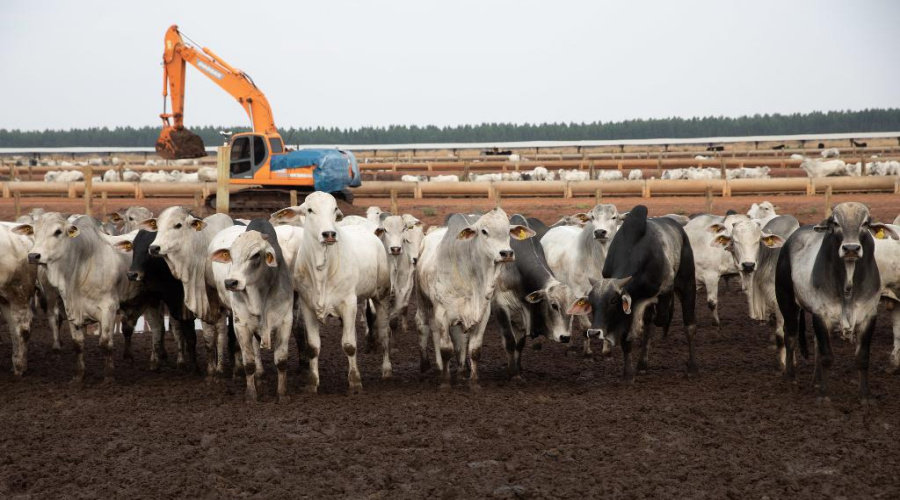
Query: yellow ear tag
point(880, 234)
point(72, 232)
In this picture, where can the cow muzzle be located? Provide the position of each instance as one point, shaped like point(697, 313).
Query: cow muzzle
point(154, 250)
point(506, 256)
point(601, 234)
point(329, 237)
point(396, 250)
point(748, 267)
point(34, 258)
point(851, 251)
point(134, 276)
point(232, 285)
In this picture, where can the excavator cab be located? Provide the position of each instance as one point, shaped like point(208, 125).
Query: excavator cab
point(250, 152)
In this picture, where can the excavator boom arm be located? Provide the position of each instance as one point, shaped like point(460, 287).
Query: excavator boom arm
point(175, 57)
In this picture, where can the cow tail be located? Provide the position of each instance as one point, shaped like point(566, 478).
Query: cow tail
point(801, 334)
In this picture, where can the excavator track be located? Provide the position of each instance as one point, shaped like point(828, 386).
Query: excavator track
point(264, 201)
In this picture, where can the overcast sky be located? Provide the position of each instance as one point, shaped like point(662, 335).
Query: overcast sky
point(354, 63)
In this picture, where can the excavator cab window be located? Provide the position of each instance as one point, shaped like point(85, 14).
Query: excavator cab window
point(276, 146)
point(248, 153)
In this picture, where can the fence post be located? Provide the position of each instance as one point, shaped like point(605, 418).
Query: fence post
point(17, 199)
point(293, 195)
point(862, 165)
point(103, 197)
point(598, 196)
point(88, 190)
point(198, 203)
point(591, 171)
point(222, 176)
point(828, 201)
point(394, 209)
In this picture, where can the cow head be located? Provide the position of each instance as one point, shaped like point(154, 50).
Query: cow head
point(491, 233)
point(603, 221)
point(413, 236)
point(609, 305)
point(847, 224)
point(744, 243)
point(52, 234)
point(373, 214)
point(548, 311)
point(762, 210)
point(251, 256)
point(173, 227)
point(391, 233)
point(320, 212)
point(140, 253)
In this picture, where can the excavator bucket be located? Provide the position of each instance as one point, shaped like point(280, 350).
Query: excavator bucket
point(174, 144)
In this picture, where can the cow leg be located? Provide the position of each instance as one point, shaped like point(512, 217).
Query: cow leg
point(348, 343)
point(894, 365)
point(382, 318)
point(443, 346)
point(245, 339)
point(779, 340)
point(55, 316)
point(78, 345)
point(107, 345)
point(153, 316)
point(189, 333)
point(823, 356)
point(711, 283)
point(257, 356)
point(628, 371)
point(180, 342)
point(687, 296)
point(18, 319)
point(460, 347)
point(313, 347)
point(225, 344)
point(127, 332)
point(863, 348)
point(509, 343)
point(476, 340)
point(209, 338)
point(424, 333)
point(370, 327)
point(299, 333)
point(282, 341)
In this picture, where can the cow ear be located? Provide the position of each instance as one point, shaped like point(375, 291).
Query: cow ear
point(716, 228)
point(622, 283)
point(626, 303)
point(823, 226)
point(721, 241)
point(149, 225)
point(125, 246)
point(772, 240)
point(581, 307)
point(535, 297)
point(198, 224)
point(221, 255)
point(882, 231)
point(24, 230)
point(73, 231)
point(338, 215)
point(466, 234)
point(521, 232)
point(115, 217)
point(581, 217)
point(593, 282)
point(379, 232)
point(271, 261)
point(286, 213)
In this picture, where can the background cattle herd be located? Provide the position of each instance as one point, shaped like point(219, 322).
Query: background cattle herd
point(606, 277)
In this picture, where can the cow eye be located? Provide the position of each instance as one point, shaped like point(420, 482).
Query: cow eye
point(484, 232)
point(57, 233)
point(131, 218)
point(612, 300)
point(255, 256)
point(178, 226)
point(555, 306)
point(309, 210)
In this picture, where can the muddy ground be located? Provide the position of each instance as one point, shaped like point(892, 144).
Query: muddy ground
point(573, 429)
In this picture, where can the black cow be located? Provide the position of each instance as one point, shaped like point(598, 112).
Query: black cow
point(538, 226)
point(829, 271)
point(160, 286)
point(649, 262)
point(528, 299)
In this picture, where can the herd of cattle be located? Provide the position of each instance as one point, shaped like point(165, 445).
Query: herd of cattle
point(605, 274)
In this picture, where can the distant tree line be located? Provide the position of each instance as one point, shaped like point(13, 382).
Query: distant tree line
point(868, 120)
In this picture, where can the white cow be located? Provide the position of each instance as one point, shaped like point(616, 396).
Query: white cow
point(335, 267)
point(445, 178)
point(831, 153)
point(17, 286)
point(402, 239)
point(261, 299)
point(635, 175)
point(457, 275)
point(183, 241)
point(573, 175)
point(887, 256)
point(576, 254)
point(711, 261)
point(762, 213)
point(91, 277)
point(823, 168)
point(373, 214)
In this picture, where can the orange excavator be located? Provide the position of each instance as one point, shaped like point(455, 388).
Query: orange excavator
point(258, 158)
